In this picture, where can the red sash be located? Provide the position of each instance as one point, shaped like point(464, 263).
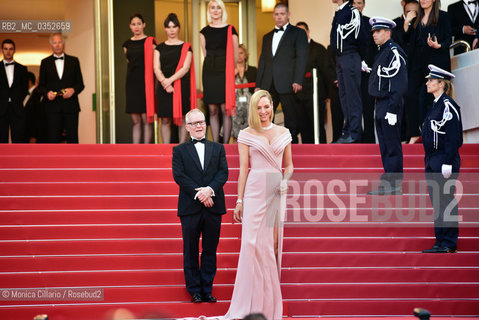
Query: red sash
point(230, 97)
point(149, 80)
point(177, 103)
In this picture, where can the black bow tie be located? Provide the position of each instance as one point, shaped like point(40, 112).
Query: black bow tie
point(278, 29)
point(58, 58)
point(472, 2)
point(9, 64)
point(196, 140)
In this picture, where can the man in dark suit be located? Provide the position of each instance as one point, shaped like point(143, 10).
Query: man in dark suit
point(464, 16)
point(35, 112)
point(337, 117)
point(282, 65)
point(200, 169)
point(60, 82)
point(13, 89)
point(317, 58)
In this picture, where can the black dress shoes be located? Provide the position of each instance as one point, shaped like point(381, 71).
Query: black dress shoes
point(196, 298)
point(437, 249)
point(208, 298)
point(350, 140)
point(386, 191)
point(434, 249)
point(340, 140)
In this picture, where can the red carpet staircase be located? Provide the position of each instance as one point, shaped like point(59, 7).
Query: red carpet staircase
point(103, 216)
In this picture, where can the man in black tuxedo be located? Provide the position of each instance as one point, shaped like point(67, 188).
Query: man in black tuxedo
point(13, 89)
point(201, 170)
point(464, 16)
point(317, 58)
point(337, 117)
point(282, 65)
point(60, 82)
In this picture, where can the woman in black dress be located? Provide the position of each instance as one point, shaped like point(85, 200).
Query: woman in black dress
point(135, 79)
point(166, 59)
point(214, 39)
point(429, 36)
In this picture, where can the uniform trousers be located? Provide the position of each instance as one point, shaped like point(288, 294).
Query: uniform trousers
point(389, 143)
point(348, 70)
point(441, 193)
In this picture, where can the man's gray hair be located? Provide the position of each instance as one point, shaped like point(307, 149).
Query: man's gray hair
point(56, 34)
point(187, 116)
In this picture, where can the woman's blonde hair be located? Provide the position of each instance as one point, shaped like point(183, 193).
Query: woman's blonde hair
point(253, 117)
point(246, 53)
point(224, 15)
point(449, 88)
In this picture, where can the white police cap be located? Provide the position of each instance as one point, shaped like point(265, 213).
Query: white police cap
point(381, 23)
point(438, 73)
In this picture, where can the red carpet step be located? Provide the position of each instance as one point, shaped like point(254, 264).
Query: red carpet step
point(104, 217)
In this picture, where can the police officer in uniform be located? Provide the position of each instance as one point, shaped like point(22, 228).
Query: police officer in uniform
point(388, 84)
point(347, 37)
point(442, 138)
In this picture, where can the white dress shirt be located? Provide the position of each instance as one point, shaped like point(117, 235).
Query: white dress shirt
point(9, 71)
point(471, 9)
point(200, 149)
point(28, 95)
point(277, 38)
point(60, 63)
point(341, 7)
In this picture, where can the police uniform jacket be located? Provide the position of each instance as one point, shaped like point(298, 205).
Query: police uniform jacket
point(442, 135)
point(388, 79)
point(348, 32)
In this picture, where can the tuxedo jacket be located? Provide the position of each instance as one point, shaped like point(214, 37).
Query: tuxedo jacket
point(317, 58)
point(71, 78)
point(459, 18)
point(189, 175)
point(17, 92)
point(288, 65)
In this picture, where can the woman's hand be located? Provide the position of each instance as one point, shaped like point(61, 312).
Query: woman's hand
point(169, 89)
point(283, 187)
point(166, 83)
point(238, 214)
point(433, 43)
point(410, 17)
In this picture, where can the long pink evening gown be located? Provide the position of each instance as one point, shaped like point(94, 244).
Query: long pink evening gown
point(257, 284)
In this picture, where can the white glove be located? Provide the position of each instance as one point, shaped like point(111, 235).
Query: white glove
point(365, 67)
point(392, 118)
point(446, 170)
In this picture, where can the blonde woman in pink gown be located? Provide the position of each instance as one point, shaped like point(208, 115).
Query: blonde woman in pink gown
point(264, 147)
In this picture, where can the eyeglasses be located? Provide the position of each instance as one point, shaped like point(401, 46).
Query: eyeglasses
point(197, 123)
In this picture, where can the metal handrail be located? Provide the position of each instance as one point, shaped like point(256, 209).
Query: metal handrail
point(460, 43)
